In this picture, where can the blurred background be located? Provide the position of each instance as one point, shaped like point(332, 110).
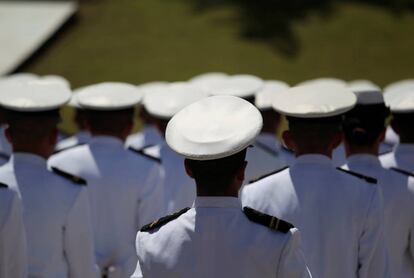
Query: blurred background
point(139, 41)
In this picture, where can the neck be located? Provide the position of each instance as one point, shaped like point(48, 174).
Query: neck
point(353, 149)
point(327, 153)
point(230, 191)
point(36, 151)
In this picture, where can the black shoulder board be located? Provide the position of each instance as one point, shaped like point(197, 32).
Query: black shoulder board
point(268, 174)
point(72, 178)
point(269, 221)
point(4, 156)
point(358, 175)
point(3, 185)
point(163, 220)
point(401, 171)
point(68, 148)
point(266, 148)
point(141, 152)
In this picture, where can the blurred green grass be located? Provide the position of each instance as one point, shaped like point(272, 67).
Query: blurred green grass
point(140, 41)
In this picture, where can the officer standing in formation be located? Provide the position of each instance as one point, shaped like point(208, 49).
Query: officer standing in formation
point(211, 238)
point(364, 129)
point(55, 205)
point(123, 185)
point(338, 213)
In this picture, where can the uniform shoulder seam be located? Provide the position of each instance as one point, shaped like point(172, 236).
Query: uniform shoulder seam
point(68, 148)
point(268, 174)
point(74, 179)
point(141, 152)
point(163, 220)
point(368, 179)
point(269, 221)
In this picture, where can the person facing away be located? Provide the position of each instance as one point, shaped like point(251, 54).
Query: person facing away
point(364, 129)
point(55, 205)
point(338, 213)
point(122, 185)
point(402, 108)
point(216, 237)
point(13, 257)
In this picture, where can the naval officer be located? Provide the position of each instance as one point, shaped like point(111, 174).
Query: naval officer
point(338, 213)
point(13, 257)
point(55, 205)
point(162, 104)
point(122, 184)
point(216, 237)
point(401, 103)
point(364, 129)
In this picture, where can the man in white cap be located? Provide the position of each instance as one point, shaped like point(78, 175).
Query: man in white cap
point(402, 108)
point(13, 257)
point(162, 105)
point(364, 130)
point(122, 185)
point(55, 205)
point(216, 237)
point(82, 136)
point(339, 213)
point(149, 135)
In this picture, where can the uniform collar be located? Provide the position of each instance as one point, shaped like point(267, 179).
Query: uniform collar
point(107, 140)
point(28, 158)
point(313, 159)
point(217, 202)
point(367, 159)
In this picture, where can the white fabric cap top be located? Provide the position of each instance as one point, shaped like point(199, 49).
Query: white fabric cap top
point(399, 85)
point(29, 77)
point(108, 96)
point(264, 97)
point(401, 101)
point(56, 78)
point(167, 100)
point(206, 79)
point(33, 96)
point(314, 101)
point(21, 77)
point(214, 127)
point(241, 85)
point(323, 81)
point(151, 86)
point(73, 102)
point(363, 85)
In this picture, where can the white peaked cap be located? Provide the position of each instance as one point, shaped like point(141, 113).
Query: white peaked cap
point(206, 79)
point(21, 77)
point(108, 96)
point(33, 96)
point(324, 81)
point(56, 78)
point(73, 102)
point(399, 85)
point(214, 127)
point(264, 97)
point(363, 85)
point(240, 85)
point(167, 100)
point(401, 101)
point(314, 101)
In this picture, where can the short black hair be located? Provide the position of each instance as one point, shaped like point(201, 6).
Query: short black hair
point(109, 122)
point(404, 123)
point(217, 174)
point(364, 123)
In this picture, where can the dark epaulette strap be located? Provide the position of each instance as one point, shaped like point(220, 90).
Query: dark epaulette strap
point(4, 156)
point(402, 171)
point(141, 152)
point(163, 220)
point(72, 178)
point(268, 174)
point(3, 185)
point(266, 148)
point(269, 221)
point(358, 175)
point(68, 148)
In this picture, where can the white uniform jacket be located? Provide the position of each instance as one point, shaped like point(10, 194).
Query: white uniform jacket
point(80, 138)
point(148, 136)
point(216, 239)
point(398, 191)
point(264, 157)
point(13, 260)
point(339, 215)
point(56, 218)
point(123, 195)
point(402, 157)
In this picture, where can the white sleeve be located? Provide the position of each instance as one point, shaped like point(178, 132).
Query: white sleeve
point(373, 257)
point(292, 262)
point(13, 260)
point(137, 272)
point(151, 204)
point(78, 239)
